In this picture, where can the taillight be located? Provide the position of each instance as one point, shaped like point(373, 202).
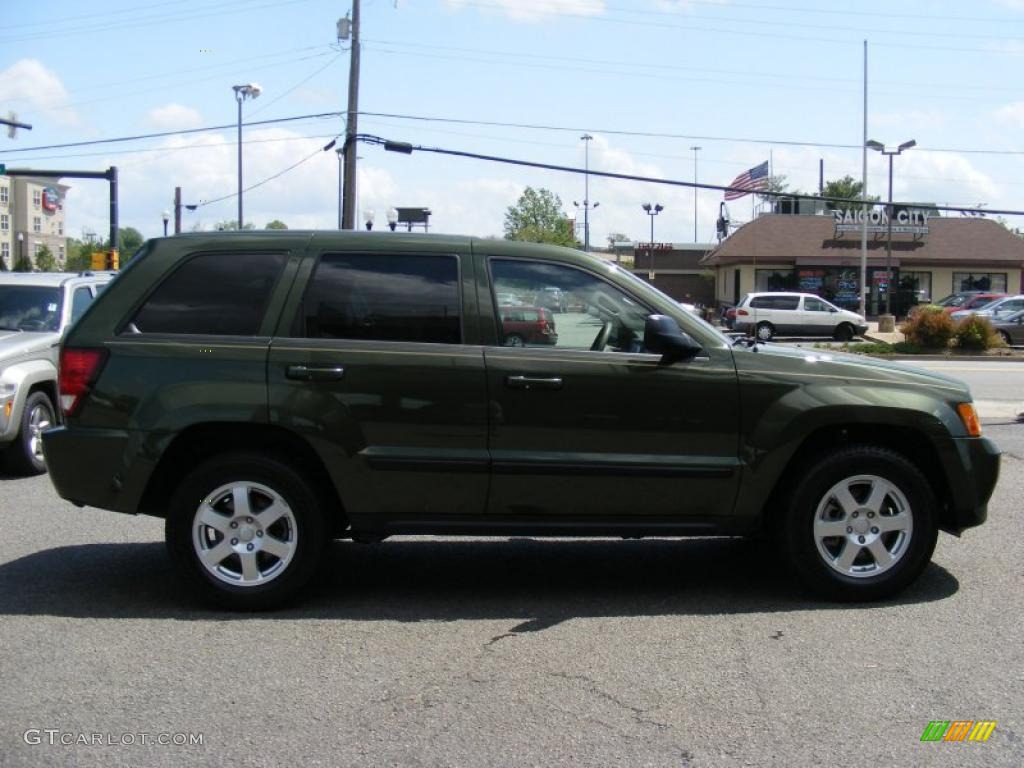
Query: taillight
point(78, 370)
point(742, 312)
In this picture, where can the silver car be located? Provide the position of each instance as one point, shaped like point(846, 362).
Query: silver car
point(1010, 328)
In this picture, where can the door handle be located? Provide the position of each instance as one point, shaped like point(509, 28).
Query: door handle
point(533, 382)
point(314, 373)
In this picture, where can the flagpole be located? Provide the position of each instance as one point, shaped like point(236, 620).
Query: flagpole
point(864, 197)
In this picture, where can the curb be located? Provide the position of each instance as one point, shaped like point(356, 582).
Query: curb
point(999, 409)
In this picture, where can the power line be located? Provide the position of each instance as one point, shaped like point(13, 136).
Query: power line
point(656, 135)
point(181, 132)
point(299, 84)
point(407, 148)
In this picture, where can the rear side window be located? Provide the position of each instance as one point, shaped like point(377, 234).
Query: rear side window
point(775, 302)
point(214, 294)
point(80, 300)
point(384, 298)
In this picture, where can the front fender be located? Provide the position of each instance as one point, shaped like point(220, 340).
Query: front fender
point(16, 381)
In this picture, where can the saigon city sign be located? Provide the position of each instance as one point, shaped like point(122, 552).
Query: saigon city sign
point(903, 223)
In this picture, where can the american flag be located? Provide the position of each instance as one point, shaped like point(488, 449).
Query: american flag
point(755, 178)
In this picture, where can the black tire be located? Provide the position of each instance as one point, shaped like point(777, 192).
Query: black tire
point(514, 340)
point(302, 534)
point(1005, 337)
point(843, 332)
point(764, 331)
point(23, 458)
point(819, 562)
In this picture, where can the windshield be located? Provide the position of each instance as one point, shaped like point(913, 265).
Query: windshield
point(29, 308)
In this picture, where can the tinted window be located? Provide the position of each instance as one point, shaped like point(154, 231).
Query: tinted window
point(213, 294)
point(384, 298)
point(81, 300)
point(775, 302)
point(29, 308)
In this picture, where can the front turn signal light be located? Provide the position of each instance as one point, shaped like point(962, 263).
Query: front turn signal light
point(969, 417)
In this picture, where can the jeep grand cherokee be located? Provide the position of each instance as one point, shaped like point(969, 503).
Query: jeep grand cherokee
point(267, 392)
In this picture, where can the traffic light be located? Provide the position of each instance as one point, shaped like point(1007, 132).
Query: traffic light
point(105, 261)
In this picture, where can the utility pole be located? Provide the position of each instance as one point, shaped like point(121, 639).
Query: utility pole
point(695, 150)
point(177, 210)
point(348, 214)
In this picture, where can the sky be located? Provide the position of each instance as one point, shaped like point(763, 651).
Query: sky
point(744, 80)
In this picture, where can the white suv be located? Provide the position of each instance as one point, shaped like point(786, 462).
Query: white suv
point(795, 314)
point(35, 309)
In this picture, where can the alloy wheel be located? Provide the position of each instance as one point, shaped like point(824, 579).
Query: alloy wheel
point(863, 526)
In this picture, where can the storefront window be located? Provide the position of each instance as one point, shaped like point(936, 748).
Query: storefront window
point(979, 281)
point(775, 280)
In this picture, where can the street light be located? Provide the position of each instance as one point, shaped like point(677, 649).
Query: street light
point(890, 153)
point(392, 217)
point(242, 92)
point(166, 216)
point(586, 138)
point(652, 211)
point(695, 150)
point(21, 250)
point(368, 217)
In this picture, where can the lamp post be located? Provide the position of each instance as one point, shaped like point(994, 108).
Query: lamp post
point(392, 217)
point(242, 92)
point(586, 139)
point(341, 160)
point(166, 216)
point(21, 250)
point(695, 150)
point(889, 319)
point(652, 211)
point(368, 217)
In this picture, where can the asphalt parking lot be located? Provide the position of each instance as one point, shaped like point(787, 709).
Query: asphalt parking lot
point(447, 652)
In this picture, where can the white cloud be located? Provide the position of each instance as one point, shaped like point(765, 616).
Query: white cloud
point(29, 82)
point(536, 10)
point(173, 117)
point(1012, 114)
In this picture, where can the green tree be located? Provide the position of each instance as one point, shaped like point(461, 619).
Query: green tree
point(22, 263)
point(276, 224)
point(232, 224)
point(130, 240)
point(847, 187)
point(537, 218)
point(45, 261)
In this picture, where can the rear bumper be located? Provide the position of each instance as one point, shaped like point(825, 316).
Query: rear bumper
point(102, 468)
point(971, 480)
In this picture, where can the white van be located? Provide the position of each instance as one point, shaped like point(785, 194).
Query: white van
point(795, 314)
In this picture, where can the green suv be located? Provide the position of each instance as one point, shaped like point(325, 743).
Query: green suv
point(268, 392)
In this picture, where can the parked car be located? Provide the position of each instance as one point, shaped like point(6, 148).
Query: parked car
point(693, 309)
point(527, 325)
point(553, 298)
point(35, 308)
point(771, 314)
point(1004, 306)
point(1010, 328)
point(968, 300)
point(266, 392)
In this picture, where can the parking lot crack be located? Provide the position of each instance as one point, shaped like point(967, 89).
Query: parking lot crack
point(639, 714)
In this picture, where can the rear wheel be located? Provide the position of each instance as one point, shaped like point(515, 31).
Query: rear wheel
point(514, 340)
point(25, 454)
point(861, 524)
point(1005, 337)
point(765, 331)
point(245, 531)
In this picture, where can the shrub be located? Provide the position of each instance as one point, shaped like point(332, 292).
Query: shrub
point(977, 333)
point(930, 327)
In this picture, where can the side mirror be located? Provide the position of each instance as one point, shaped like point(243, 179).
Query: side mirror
point(663, 336)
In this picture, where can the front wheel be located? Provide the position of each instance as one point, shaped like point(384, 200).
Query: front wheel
point(861, 524)
point(765, 331)
point(245, 531)
point(843, 332)
point(1005, 337)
